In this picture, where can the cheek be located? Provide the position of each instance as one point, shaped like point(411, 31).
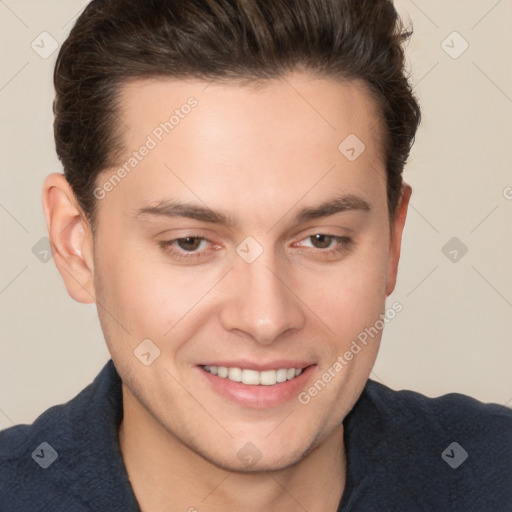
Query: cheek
point(350, 295)
point(130, 288)
point(145, 294)
point(149, 296)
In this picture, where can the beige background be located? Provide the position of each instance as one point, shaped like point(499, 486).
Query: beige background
point(454, 333)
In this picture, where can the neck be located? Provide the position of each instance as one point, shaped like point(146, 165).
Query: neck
point(167, 476)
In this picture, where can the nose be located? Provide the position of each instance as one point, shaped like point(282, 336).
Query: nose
point(262, 304)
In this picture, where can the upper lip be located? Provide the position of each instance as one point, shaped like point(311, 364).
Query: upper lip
point(260, 366)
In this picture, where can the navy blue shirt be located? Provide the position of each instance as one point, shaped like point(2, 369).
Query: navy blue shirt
point(405, 452)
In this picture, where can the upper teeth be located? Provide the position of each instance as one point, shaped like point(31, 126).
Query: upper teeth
point(254, 377)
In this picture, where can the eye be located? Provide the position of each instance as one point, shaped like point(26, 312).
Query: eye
point(191, 248)
point(329, 244)
point(186, 247)
point(321, 241)
point(190, 243)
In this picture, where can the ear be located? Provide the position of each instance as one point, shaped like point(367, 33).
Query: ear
point(70, 238)
point(396, 238)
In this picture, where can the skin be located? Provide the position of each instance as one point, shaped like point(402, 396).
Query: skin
point(259, 154)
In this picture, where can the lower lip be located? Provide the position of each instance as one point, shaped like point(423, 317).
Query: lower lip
point(260, 396)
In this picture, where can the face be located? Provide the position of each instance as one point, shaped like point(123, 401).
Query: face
point(245, 241)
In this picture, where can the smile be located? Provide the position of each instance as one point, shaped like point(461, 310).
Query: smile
point(254, 377)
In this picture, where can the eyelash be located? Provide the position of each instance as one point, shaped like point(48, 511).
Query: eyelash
point(345, 244)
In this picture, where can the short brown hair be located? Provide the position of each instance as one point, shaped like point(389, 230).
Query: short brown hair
point(114, 41)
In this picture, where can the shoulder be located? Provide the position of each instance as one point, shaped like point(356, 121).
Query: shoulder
point(453, 413)
point(42, 464)
point(452, 449)
point(27, 453)
point(450, 406)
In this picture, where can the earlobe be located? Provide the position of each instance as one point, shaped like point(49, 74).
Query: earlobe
point(396, 238)
point(70, 238)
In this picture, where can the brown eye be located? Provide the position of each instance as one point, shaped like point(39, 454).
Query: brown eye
point(321, 241)
point(324, 245)
point(192, 249)
point(189, 243)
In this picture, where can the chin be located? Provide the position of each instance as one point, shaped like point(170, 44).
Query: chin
point(258, 464)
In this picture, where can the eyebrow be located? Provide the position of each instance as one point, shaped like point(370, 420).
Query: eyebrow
point(173, 208)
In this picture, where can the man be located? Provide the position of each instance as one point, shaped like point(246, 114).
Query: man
point(233, 204)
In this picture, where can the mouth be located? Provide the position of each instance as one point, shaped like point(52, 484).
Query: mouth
point(254, 377)
point(272, 385)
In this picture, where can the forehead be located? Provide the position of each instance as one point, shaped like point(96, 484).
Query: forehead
point(250, 145)
point(272, 106)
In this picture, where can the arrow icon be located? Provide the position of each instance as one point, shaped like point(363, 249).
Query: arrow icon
point(44, 45)
point(45, 455)
point(454, 249)
point(249, 454)
point(454, 455)
point(454, 45)
point(42, 249)
point(351, 147)
point(146, 352)
point(249, 253)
